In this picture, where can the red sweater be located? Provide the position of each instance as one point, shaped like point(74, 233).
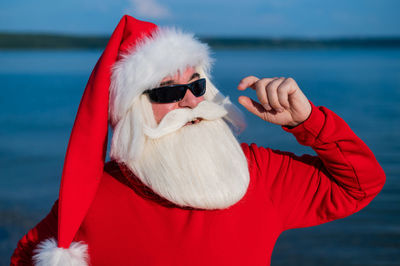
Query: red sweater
point(127, 224)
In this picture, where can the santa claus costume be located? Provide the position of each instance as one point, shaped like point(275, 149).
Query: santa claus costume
point(116, 214)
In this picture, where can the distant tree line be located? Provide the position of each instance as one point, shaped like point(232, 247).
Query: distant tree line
point(50, 41)
point(57, 41)
point(301, 43)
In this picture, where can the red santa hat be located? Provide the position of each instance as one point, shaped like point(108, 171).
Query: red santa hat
point(137, 57)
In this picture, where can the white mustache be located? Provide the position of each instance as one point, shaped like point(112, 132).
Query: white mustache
point(178, 118)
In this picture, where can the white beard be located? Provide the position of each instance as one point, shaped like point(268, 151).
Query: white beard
point(200, 165)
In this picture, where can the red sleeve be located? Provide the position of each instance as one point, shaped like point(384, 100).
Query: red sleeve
point(310, 190)
point(47, 228)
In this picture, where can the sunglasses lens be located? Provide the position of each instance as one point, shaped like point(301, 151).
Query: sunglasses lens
point(175, 93)
point(168, 94)
point(198, 88)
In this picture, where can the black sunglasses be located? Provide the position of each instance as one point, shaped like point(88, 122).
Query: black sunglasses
point(175, 93)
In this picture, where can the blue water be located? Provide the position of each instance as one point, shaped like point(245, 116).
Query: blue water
point(41, 90)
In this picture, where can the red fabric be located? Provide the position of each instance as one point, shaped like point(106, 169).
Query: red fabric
point(45, 229)
point(84, 160)
point(124, 227)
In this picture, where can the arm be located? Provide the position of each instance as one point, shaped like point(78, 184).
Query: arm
point(45, 229)
point(310, 190)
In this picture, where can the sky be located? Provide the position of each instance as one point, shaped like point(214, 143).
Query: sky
point(250, 18)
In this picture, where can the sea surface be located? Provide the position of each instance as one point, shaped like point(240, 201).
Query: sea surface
point(40, 93)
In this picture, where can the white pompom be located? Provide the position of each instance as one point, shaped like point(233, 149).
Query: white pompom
point(47, 253)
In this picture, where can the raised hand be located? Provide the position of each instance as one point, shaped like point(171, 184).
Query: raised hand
point(280, 100)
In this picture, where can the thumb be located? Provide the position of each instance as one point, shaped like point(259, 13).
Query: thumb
point(252, 106)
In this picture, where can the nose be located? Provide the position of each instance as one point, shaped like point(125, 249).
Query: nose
point(190, 101)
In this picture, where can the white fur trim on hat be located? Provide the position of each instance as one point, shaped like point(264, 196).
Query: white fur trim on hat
point(155, 57)
point(48, 254)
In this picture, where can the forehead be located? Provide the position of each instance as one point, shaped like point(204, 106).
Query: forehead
point(184, 75)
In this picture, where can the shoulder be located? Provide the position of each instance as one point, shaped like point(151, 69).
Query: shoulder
point(254, 152)
point(257, 157)
point(264, 159)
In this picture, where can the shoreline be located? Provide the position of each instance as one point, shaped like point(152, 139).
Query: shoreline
point(44, 41)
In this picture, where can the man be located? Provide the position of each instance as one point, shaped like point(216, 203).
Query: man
point(180, 189)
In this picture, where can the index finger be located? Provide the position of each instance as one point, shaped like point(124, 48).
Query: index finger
point(250, 81)
point(247, 82)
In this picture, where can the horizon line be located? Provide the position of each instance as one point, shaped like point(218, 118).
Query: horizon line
point(13, 40)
